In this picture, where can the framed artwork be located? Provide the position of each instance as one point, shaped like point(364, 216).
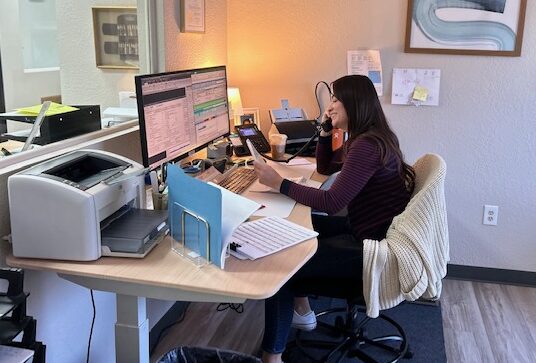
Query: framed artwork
point(470, 27)
point(115, 31)
point(192, 16)
point(250, 116)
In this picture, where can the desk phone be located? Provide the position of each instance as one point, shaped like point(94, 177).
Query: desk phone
point(252, 133)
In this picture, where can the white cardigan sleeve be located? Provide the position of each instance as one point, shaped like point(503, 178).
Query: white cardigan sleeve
point(411, 261)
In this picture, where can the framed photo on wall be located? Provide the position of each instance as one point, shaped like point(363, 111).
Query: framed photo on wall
point(250, 116)
point(493, 28)
point(192, 16)
point(115, 30)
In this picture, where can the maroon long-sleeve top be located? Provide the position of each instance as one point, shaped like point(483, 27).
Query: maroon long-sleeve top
point(373, 193)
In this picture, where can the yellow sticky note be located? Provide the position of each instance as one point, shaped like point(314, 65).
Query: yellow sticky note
point(420, 93)
point(54, 109)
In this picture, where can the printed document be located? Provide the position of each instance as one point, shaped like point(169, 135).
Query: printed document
point(413, 86)
point(266, 236)
point(367, 63)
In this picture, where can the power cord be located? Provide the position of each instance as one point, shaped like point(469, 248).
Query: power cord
point(92, 324)
point(318, 100)
point(178, 321)
point(239, 308)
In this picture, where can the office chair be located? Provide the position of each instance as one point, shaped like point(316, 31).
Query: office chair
point(423, 222)
point(13, 318)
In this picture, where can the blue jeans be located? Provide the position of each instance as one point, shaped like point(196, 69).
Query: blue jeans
point(339, 257)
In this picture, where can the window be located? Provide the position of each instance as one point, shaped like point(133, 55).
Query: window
point(39, 34)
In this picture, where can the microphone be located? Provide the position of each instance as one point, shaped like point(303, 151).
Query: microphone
point(326, 125)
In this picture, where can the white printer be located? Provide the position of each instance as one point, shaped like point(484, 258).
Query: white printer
point(58, 207)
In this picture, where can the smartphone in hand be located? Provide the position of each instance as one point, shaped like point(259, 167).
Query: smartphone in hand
point(254, 151)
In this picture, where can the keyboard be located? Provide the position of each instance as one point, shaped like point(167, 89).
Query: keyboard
point(265, 236)
point(238, 180)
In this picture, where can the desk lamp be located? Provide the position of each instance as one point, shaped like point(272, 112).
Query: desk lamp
point(235, 104)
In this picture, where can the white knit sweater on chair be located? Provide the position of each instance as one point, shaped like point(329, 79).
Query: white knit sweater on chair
point(411, 261)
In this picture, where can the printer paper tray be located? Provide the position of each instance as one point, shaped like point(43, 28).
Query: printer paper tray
point(149, 245)
point(133, 233)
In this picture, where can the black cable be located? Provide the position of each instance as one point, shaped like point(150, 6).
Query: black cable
point(92, 324)
point(239, 308)
point(318, 101)
point(297, 153)
point(178, 321)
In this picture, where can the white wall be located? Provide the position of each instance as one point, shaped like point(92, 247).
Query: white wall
point(82, 83)
point(484, 127)
point(195, 50)
point(21, 89)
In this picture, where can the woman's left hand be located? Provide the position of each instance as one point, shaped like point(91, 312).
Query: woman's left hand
point(267, 175)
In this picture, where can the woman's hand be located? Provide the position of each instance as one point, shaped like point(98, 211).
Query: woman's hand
point(267, 175)
point(325, 116)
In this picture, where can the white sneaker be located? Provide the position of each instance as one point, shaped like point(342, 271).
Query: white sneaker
point(305, 322)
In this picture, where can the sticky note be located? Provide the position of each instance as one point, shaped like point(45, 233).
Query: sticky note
point(420, 93)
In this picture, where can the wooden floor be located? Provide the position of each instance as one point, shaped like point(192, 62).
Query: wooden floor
point(481, 322)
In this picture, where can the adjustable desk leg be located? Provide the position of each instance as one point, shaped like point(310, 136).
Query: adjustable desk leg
point(131, 330)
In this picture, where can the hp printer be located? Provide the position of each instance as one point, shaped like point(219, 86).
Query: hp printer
point(72, 208)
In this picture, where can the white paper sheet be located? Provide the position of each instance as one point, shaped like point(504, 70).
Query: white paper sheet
point(278, 204)
point(367, 63)
point(299, 161)
point(261, 188)
point(235, 209)
point(10, 354)
point(406, 79)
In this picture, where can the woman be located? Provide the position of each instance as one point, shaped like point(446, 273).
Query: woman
point(374, 183)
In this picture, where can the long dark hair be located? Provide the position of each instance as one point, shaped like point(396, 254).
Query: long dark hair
point(366, 119)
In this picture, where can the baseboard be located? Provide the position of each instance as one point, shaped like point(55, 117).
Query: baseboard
point(492, 275)
point(171, 316)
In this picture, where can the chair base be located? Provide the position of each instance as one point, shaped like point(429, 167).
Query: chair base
point(349, 339)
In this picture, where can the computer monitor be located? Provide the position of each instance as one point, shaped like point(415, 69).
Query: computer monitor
point(181, 112)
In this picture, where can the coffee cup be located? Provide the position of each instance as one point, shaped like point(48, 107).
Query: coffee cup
point(277, 145)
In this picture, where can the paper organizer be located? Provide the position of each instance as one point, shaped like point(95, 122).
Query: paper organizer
point(203, 217)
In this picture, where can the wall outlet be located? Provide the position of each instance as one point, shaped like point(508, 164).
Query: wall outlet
point(491, 214)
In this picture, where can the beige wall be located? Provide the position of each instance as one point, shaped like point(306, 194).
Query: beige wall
point(82, 83)
point(484, 126)
point(195, 50)
point(281, 49)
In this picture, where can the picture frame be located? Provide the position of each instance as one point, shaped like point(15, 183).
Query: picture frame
point(115, 32)
point(251, 115)
point(192, 19)
point(493, 29)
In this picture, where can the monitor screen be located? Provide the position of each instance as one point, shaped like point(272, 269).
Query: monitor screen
point(181, 112)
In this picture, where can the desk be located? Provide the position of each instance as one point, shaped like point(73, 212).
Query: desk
point(11, 145)
point(165, 275)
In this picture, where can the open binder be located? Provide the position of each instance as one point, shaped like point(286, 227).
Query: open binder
point(203, 217)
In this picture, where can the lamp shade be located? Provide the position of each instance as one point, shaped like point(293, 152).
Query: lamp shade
point(235, 103)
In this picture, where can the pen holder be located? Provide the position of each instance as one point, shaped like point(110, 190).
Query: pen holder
point(190, 235)
point(160, 201)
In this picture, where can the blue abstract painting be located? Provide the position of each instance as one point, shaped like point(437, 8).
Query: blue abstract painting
point(493, 27)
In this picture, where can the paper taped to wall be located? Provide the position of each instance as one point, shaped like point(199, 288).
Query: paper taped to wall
point(413, 86)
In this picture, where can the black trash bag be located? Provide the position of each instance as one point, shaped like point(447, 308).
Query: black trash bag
point(206, 355)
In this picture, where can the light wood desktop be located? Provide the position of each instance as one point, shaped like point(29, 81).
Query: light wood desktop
point(163, 274)
point(11, 145)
